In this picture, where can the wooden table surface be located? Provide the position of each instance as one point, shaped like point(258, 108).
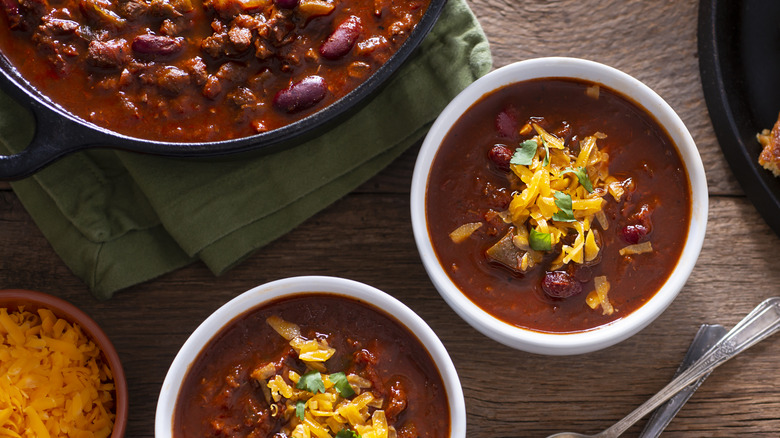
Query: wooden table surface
point(508, 393)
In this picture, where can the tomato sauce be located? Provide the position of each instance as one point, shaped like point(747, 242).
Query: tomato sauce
point(465, 184)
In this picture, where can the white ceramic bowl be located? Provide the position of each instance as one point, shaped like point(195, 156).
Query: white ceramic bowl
point(600, 337)
point(307, 285)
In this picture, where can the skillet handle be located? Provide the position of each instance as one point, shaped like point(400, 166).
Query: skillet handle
point(55, 136)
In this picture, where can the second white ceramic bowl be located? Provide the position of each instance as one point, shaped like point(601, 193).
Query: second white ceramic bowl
point(307, 285)
point(604, 336)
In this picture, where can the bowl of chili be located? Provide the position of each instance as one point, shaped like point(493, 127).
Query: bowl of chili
point(323, 355)
point(60, 372)
point(559, 205)
point(195, 78)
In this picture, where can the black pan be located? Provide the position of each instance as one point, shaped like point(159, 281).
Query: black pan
point(739, 61)
point(59, 133)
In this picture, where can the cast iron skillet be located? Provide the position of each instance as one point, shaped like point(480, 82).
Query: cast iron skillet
point(59, 133)
point(739, 61)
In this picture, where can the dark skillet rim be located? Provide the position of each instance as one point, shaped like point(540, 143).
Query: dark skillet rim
point(732, 66)
point(91, 135)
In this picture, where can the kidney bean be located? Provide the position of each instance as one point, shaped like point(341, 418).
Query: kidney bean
point(343, 38)
point(559, 284)
point(301, 95)
point(500, 155)
point(634, 233)
point(157, 45)
point(286, 4)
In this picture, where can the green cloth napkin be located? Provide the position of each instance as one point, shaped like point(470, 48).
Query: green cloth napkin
point(119, 218)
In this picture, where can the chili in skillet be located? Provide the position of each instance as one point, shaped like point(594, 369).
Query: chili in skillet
point(200, 70)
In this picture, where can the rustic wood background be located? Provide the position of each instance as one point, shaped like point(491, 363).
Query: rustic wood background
point(508, 393)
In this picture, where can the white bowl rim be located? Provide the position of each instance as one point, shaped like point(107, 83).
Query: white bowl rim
point(313, 284)
point(603, 336)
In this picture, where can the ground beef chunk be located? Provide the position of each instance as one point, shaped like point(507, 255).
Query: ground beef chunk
point(109, 54)
point(212, 87)
point(23, 14)
point(397, 401)
point(52, 39)
point(232, 71)
point(57, 27)
point(133, 9)
point(280, 27)
point(197, 70)
point(402, 27)
point(172, 79)
point(240, 38)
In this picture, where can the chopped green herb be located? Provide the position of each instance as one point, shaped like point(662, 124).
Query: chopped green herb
point(346, 433)
point(312, 382)
point(546, 161)
point(524, 155)
point(565, 212)
point(540, 241)
point(582, 176)
point(340, 382)
point(300, 408)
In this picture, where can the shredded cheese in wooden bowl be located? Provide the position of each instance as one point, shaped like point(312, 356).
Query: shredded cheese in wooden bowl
point(59, 374)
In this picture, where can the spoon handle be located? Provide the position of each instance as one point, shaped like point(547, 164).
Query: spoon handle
point(705, 338)
point(762, 322)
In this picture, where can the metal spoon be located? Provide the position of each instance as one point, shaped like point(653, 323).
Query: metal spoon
point(705, 338)
point(762, 322)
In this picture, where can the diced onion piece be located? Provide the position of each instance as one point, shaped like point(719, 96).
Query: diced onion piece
point(616, 190)
point(464, 231)
point(310, 8)
point(264, 372)
point(639, 248)
point(358, 381)
point(286, 329)
point(592, 91)
point(600, 296)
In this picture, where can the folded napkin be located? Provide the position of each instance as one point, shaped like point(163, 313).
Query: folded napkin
point(119, 218)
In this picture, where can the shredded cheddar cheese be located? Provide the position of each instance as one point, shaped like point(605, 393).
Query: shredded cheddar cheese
point(321, 413)
point(53, 382)
point(556, 171)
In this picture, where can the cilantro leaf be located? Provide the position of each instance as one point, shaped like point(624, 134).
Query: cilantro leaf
point(300, 408)
point(565, 212)
point(346, 433)
point(340, 382)
point(524, 155)
point(582, 176)
point(546, 161)
point(540, 241)
point(312, 382)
